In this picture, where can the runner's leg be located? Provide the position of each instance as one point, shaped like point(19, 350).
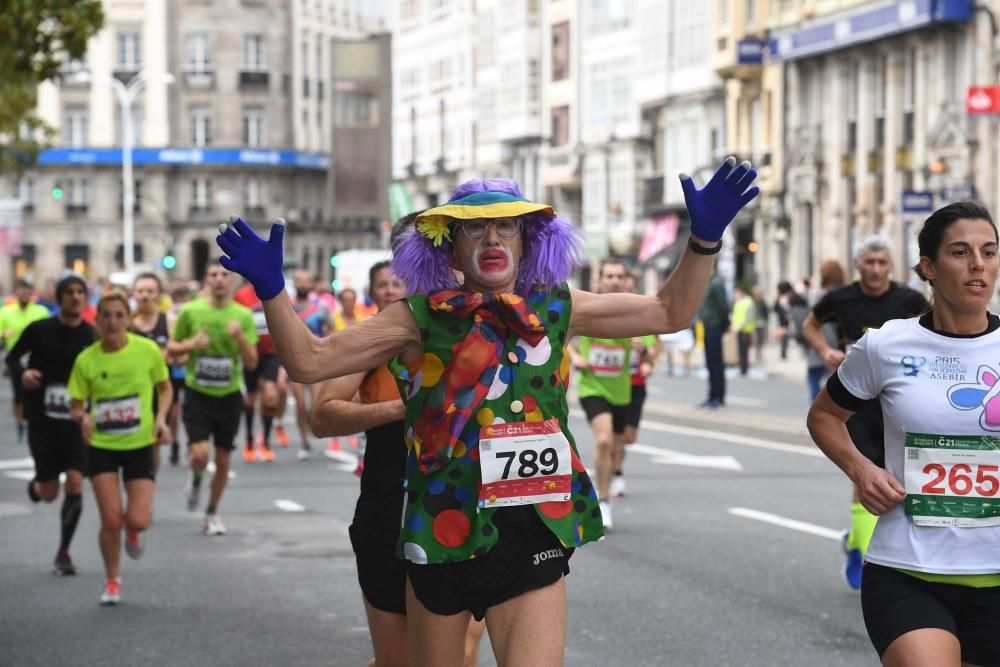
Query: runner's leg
point(302, 412)
point(434, 640)
point(69, 515)
point(109, 505)
point(473, 638)
point(219, 478)
point(927, 647)
point(388, 633)
point(604, 442)
point(140, 503)
point(530, 629)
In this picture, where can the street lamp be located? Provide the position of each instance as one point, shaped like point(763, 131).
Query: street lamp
point(126, 94)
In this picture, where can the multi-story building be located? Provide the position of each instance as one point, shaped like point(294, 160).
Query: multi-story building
point(874, 107)
point(682, 106)
point(561, 150)
point(247, 125)
point(613, 148)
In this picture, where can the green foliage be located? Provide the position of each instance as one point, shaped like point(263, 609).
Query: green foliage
point(35, 38)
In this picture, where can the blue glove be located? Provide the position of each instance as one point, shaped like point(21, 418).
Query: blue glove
point(712, 208)
point(252, 257)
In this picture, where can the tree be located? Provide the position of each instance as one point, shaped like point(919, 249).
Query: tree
point(36, 37)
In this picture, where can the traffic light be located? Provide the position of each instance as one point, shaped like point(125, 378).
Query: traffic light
point(169, 262)
point(334, 260)
point(57, 192)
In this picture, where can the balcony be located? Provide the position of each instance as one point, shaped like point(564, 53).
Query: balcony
point(76, 211)
point(125, 71)
point(201, 78)
point(201, 213)
point(251, 79)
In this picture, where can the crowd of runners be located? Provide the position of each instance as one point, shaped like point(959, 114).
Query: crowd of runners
point(460, 383)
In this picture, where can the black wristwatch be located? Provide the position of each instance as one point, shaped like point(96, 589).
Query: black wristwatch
point(702, 250)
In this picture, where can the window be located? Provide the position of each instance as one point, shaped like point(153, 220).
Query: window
point(560, 126)
point(75, 127)
point(879, 82)
point(354, 109)
point(909, 95)
point(201, 193)
point(560, 51)
point(608, 16)
point(129, 50)
point(254, 56)
point(253, 189)
point(253, 127)
point(199, 54)
point(952, 79)
point(77, 192)
point(723, 13)
point(201, 126)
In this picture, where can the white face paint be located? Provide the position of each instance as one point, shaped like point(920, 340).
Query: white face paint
point(493, 265)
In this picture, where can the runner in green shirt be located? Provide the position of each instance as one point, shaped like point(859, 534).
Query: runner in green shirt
point(605, 388)
point(219, 337)
point(14, 318)
point(117, 376)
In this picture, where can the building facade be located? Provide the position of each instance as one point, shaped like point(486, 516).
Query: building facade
point(246, 126)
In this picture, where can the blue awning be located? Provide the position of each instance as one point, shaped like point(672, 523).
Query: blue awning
point(864, 24)
point(212, 157)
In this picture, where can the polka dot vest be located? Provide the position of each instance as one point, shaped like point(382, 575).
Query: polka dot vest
point(441, 519)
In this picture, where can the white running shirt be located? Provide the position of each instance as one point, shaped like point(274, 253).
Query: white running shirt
point(941, 386)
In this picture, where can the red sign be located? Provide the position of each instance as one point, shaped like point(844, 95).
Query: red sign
point(982, 99)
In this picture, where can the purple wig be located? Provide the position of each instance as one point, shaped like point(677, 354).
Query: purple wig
point(551, 248)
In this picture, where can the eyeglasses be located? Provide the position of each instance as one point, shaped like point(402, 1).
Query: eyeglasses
point(507, 228)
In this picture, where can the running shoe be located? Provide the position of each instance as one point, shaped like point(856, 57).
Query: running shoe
point(213, 525)
point(265, 454)
point(33, 492)
point(853, 563)
point(334, 445)
point(606, 514)
point(618, 486)
point(304, 453)
point(191, 493)
point(353, 442)
point(133, 545)
point(249, 455)
point(112, 593)
point(282, 437)
point(63, 565)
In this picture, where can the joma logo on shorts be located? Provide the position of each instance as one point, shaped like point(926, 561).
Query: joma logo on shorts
point(545, 555)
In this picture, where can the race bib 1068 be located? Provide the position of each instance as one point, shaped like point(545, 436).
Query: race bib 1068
point(524, 463)
point(118, 416)
point(213, 371)
point(606, 361)
point(952, 480)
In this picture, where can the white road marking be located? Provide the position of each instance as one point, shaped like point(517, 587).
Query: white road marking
point(23, 475)
point(671, 457)
point(793, 524)
point(346, 462)
point(749, 402)
point(289, 505)
point(732, 438)
point(14, 464)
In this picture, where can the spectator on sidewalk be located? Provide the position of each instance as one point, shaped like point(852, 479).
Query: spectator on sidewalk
point(744, 323)
point(714, 315)
point(792, 310)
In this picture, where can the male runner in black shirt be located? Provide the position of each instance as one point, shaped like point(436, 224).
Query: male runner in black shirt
point(55, 441)
point(868, 303)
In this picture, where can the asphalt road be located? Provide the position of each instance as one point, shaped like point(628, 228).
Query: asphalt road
point(725, 552)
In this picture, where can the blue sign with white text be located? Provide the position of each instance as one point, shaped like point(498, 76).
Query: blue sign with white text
point(216, 157)
point(917, 201)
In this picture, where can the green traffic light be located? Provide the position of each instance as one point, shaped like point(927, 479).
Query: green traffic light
point(169, 262)
point(335, 284)
point(335, 261)
point(57, 193)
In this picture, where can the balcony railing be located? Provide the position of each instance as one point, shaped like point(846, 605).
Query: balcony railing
point(252, 78)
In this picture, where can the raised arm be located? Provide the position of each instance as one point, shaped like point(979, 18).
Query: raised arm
point(309, 359)
point(675, 304)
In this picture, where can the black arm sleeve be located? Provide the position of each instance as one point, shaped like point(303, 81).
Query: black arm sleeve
point(841, 396)
point(21, 348)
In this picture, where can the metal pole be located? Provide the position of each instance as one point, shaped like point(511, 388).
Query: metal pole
point(128, 184)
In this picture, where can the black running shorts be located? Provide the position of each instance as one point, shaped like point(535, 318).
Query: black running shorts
point(595, 405)
point(895, 603)
point(381, 575)
point(57, 446)
point(17, 387)
point(633, 411)
point(133, 463)
point(526, 557)
point(215, 418)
